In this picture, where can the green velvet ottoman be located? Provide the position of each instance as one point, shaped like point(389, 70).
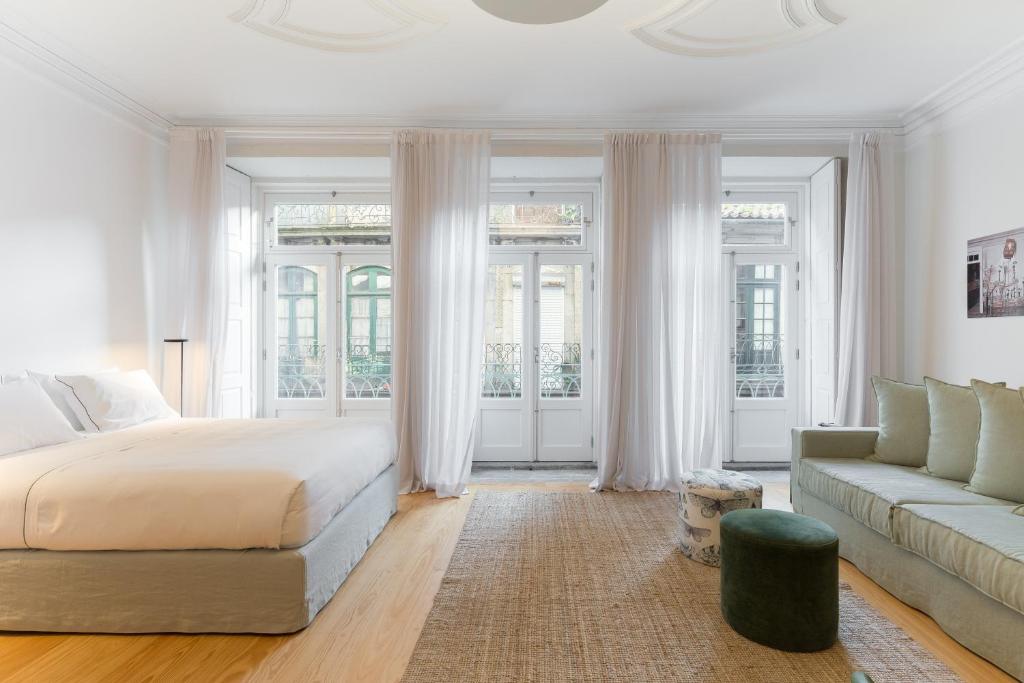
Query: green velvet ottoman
point(780, 579)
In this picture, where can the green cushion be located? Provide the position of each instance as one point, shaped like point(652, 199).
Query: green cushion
point(955, 421)
point(982, 545)
point(999, 470)
point(780, 579)
point(902, 423)
point(860, 677)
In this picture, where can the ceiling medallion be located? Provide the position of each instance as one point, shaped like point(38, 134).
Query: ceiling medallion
point(539, 11)
point(271, 17)
point(672, 30)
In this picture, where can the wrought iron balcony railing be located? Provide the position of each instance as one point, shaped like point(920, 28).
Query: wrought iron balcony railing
point(760, 366)
point(559, 372)
point(302, 371)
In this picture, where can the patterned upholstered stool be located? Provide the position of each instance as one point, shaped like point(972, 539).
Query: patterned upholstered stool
point(705, 496)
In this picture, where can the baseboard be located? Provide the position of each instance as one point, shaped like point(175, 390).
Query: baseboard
point(762, 466)
point(484, 466)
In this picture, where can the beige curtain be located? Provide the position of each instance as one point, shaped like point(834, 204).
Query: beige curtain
point(867, 231)
point(661, 350)
point(195, 276)
point(440, 187)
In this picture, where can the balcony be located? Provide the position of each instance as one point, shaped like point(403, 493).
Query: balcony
point(760, 366)
point(560, 370)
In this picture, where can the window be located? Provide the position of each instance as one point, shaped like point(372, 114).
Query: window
point(755, 223)
point(300, 348)
point(538, 219)
point(502, 372)
point(357, 221)
point(368, 331)
point(760, 368)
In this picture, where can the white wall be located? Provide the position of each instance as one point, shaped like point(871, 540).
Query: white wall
point(81, 195)
point(964, 181)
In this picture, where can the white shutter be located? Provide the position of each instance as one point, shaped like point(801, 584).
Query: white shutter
point(236, 378)
point(823, 282)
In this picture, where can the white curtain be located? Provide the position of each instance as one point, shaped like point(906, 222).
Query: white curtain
point(195, 278)
point(867, 231)
point(440, 185)
point(661, 346)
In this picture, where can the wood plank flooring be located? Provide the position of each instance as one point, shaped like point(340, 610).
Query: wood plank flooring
point(368, 631)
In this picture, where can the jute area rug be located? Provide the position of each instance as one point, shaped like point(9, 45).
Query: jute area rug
point(568, 587)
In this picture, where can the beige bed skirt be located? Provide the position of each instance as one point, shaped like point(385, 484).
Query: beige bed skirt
point(192, 591)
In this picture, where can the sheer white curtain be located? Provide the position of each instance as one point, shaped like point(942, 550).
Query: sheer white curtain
point(868, 228)
point(195, 278)
point(662, 345)
point(440, 186)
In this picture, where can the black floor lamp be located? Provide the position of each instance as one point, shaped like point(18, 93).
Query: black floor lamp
point(181, 373)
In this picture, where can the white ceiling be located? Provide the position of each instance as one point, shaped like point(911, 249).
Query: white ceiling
point(192, 60)
point(552, 168)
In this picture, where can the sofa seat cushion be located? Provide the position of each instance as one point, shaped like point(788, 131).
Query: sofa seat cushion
point(981, 544)
point(868, 491)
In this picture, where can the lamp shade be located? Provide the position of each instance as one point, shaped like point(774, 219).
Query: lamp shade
point(539, 11)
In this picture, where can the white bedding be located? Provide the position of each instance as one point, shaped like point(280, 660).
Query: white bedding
point(190, 484)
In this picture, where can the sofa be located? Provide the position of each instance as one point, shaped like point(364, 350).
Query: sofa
point(958, 556)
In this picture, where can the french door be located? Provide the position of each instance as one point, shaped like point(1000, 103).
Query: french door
point(328, 335)
point(763, 355)
point(536, 401)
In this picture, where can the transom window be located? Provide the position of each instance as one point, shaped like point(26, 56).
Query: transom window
point(340, 221)
point(754, 220)
point(538, 219)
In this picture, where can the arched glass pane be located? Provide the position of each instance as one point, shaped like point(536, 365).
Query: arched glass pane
point(301, 322)
point(368, 331)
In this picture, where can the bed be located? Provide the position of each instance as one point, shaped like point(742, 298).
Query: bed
point(194, 526)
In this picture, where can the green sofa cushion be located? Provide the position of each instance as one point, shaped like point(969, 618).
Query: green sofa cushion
point(955, 422)
point(999, 469)
point(982, 544)
point(902, 423)
point(868, 491)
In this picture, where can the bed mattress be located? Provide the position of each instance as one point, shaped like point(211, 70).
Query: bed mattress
point(191, 484)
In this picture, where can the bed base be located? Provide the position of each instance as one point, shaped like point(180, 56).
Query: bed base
point(192, 591)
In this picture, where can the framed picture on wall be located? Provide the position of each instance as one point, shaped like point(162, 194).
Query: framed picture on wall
point(995, 276)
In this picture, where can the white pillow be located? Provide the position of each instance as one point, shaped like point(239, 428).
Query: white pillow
point(4, 379)
point(28, 418)
point(61, 396)
point(115, 400)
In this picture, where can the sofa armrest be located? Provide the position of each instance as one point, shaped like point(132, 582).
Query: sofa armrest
point(837, 442)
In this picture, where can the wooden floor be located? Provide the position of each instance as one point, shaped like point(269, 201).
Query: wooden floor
point(369, 630)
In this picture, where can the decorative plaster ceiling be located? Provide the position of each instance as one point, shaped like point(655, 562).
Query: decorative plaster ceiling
point(388, 23)
point(720, 28)
point(447, 62)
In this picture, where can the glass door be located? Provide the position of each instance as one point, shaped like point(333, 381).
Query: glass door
point(505, 431)
point(763, 356)
point(366, 336)
point(536, 397)
point(300, 336)
point(563, 355)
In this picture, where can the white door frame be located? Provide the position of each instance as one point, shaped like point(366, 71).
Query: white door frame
point(578, 444)
point(787, 407)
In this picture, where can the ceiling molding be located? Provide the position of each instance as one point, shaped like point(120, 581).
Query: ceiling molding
point(545, 128)
point(799, 20)
point(21, 43)
point(271, 18)
point(985, 83)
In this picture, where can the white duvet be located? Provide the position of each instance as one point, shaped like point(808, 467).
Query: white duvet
point(190, 484)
